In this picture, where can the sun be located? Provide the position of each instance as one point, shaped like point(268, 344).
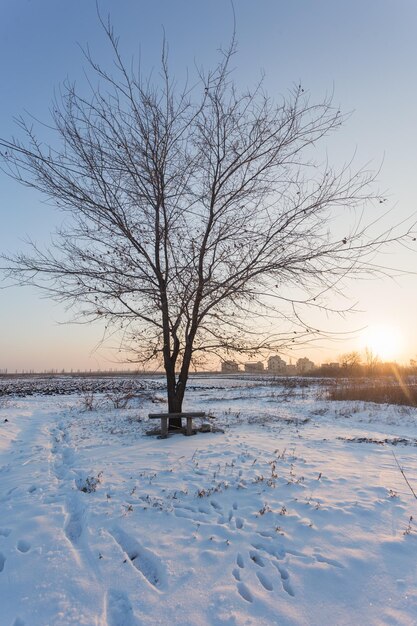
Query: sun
point(385, 341)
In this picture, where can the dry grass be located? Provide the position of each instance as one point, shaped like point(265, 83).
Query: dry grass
point(381, 391)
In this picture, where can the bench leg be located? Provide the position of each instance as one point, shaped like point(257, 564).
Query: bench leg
point(164, 427)
point(189, 430)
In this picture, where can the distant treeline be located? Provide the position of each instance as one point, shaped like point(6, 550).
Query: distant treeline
point(364, 370)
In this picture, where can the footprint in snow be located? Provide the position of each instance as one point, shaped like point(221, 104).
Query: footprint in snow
point(239, 560)
point(236, 573)
point(67, 455)
point(278, 553)
point(143, 559)
point(287, 587)
point(285, 579)
point(267, 533)
point(245, 592)
point(2, 561)
point(23, 546)
point(32, 489)
point(5, 532)
point(74, 524)
point(119, 611)
point(256, 558)
point(282, 571)
point(265, 581)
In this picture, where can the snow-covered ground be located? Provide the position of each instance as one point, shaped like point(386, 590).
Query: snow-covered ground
point(296, 514)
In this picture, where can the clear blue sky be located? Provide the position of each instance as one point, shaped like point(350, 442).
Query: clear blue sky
point(364, 50)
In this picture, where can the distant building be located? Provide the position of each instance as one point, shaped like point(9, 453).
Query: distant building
point(229, 367)
point(304, 365)
point(276, 365)
point(254, 368)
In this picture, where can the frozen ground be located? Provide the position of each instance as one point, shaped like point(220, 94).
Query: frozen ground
point(296, 514)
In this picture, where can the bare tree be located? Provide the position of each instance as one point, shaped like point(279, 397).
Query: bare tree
point(197, 220)
point(351, 362)
point(372, 361)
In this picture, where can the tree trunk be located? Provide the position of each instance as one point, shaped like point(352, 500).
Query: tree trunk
point(174, 406)
point(175, 398)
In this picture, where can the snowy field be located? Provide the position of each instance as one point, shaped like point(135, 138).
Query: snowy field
point(296, 514)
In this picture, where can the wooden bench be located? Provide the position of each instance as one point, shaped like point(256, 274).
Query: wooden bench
point(164, 417)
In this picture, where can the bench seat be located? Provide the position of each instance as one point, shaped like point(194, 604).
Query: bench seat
point(164, 417)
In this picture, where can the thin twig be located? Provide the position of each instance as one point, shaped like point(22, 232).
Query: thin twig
point(403, 473)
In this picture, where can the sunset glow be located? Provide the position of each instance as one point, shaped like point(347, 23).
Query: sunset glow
point(384, 341)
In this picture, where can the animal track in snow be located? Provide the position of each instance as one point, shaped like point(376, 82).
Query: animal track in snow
point(119, 611)
point(5, 532)
point(283, 572)
point(287, 587)
point(2, 561)
point(245, 592)
point(196, 515)
point(265, 582)
point(276, 554)
point(236, 573)
point(23, 546)
point(256, 558)
point(266, 533)
point(143, 559)
point(285, 579)
point(239, 522)
point(239, 561)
